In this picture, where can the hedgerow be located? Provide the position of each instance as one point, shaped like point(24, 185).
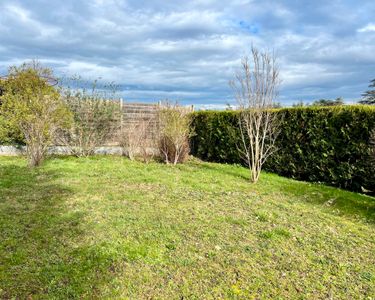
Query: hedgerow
point(318, 144)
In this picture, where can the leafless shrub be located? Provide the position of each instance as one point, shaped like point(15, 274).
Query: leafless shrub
point(255, 87)
point(137, 139)
point(174, 134)
point(172, 153)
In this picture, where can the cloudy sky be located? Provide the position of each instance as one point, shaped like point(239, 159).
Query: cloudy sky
point(189, 50)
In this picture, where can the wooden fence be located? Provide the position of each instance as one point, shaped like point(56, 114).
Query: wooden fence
point(134, 113)
point(130, 114)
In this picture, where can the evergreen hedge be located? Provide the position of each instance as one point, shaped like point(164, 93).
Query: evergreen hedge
point(319, 144)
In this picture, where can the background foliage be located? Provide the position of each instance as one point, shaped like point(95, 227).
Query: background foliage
point(95, 116)
point(9, 133)
point(368, 97)
point(319, 144)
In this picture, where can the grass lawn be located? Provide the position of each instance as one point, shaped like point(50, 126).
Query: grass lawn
point(106, 227)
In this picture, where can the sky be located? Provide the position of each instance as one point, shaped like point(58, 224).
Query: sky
point(189, 50)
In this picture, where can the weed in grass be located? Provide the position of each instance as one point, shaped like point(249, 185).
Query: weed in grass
point(275, 233)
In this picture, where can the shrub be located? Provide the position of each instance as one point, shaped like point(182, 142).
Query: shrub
point(95, 120)
point(138, 139)
point(175, 131)
point(31, 105)
point(330, 145)
point(169, 151)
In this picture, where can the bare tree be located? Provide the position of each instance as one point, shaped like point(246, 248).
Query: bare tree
point(255, 87)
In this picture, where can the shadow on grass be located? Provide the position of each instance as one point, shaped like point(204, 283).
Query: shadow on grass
point(334, 200)
point(40, 251)
point(223, 169)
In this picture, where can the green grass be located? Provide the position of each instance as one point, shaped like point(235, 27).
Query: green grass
point(106, 227)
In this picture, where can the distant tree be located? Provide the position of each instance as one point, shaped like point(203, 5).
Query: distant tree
point(300, 103)
point(35, 107)
point(229, 106)
point(328, 102)
point(368, 97)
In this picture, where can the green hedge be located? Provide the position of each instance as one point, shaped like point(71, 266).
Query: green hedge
point(318, 144)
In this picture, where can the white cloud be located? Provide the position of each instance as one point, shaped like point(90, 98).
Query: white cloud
point(17, 13)
point(191, 49)
point(368, 28)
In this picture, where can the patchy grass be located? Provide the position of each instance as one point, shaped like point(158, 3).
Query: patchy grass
point(105, 227)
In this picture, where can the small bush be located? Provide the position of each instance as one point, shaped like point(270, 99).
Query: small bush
point(175, 131)
point(138, 139)
point(31, 106)
point(168, 148)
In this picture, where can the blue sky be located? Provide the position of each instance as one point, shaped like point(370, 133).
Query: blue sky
point(189, 50)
